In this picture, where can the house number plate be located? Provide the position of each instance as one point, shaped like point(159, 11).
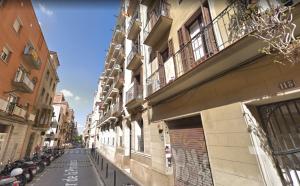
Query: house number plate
point(287, 84)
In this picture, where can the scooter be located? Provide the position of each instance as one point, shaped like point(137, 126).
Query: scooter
point(28, 167)
point(39, 162)
point(12, 175)
point(9, 181)
point(46, 158)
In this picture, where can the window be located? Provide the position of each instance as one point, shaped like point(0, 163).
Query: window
point(12, 101)
point(20, 74)
point(5, 54)
point(200, 42)
point(140, 135)
point(48, 75)
point(47, 97)
point(43, 92)
point(17, 25)
point(53, 87)
point(50, 101)
point(197, 40)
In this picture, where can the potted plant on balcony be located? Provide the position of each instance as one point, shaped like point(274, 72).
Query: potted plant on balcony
point(272, 25)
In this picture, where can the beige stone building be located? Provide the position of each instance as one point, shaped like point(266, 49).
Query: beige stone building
point(35, 135)
point(201, 104)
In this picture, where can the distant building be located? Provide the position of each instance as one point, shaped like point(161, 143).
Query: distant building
point(63, 123)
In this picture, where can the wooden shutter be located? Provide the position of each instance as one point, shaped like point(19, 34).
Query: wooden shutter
point(186, 49)
point(209, 32)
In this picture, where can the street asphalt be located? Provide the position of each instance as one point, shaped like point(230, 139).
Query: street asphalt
point(74, 168)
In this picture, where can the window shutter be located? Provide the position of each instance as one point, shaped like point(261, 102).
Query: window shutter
point(171, 47)
point(185, 48)
point(209, 32)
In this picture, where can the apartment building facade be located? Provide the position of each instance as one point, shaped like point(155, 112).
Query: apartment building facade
point(44, 108)
point(23, 64)
point(201, 104)
point(63, 123)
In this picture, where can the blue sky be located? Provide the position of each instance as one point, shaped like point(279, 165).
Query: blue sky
point(80, 34)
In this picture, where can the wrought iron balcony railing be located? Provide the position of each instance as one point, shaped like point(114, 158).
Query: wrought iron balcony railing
point(161, 9)
point(134, 26)
point(23, 82)
point(134, 59)
point(118, 107)
point(135, 92)
point(31, 56)
point(224, 30)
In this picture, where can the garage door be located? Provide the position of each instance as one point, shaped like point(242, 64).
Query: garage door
point(189, 153)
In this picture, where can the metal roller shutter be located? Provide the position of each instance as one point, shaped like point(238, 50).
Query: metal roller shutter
point(189, 153)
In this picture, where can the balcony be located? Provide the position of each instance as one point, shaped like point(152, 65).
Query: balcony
point(15, 110)
point(221, 48)
point(133, 4)
point(159, 23)
point(31, 57)
point(3, 105)
point(134, 59)
point(122, 15)
point(134, 26)
point(146, 2)
point(117, 108)
point(158, 77)
point(23, 82)
point(134, 96)
point(107, 72)
point(121, 56)
point(119, 80)
point(110, 52)
point(107, 117)
point(31, 117)
point(117, 51)
point(119, 34)
point(115, 70)
point(112, 92)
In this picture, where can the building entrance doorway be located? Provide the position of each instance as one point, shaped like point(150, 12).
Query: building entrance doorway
point(281, 123)
point(30, 143)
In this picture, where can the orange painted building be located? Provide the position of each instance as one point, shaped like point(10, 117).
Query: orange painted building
point(23, 58)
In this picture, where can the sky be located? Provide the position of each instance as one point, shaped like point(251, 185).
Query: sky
point(80, 33)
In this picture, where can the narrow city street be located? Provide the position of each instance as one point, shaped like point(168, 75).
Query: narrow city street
point(74, 168)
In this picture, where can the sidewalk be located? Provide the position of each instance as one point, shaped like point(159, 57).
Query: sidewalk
point(109, 173)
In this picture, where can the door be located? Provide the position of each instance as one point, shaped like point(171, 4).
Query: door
point(29, 146)
point(281, 123)
point(189, 154)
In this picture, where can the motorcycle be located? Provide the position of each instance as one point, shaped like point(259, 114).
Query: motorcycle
point(39, 162)
point(13, 175)
point(28, 167)
point(9, 181)
point(46, 158)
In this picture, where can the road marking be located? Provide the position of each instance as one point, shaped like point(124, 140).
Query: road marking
point(72, 174)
